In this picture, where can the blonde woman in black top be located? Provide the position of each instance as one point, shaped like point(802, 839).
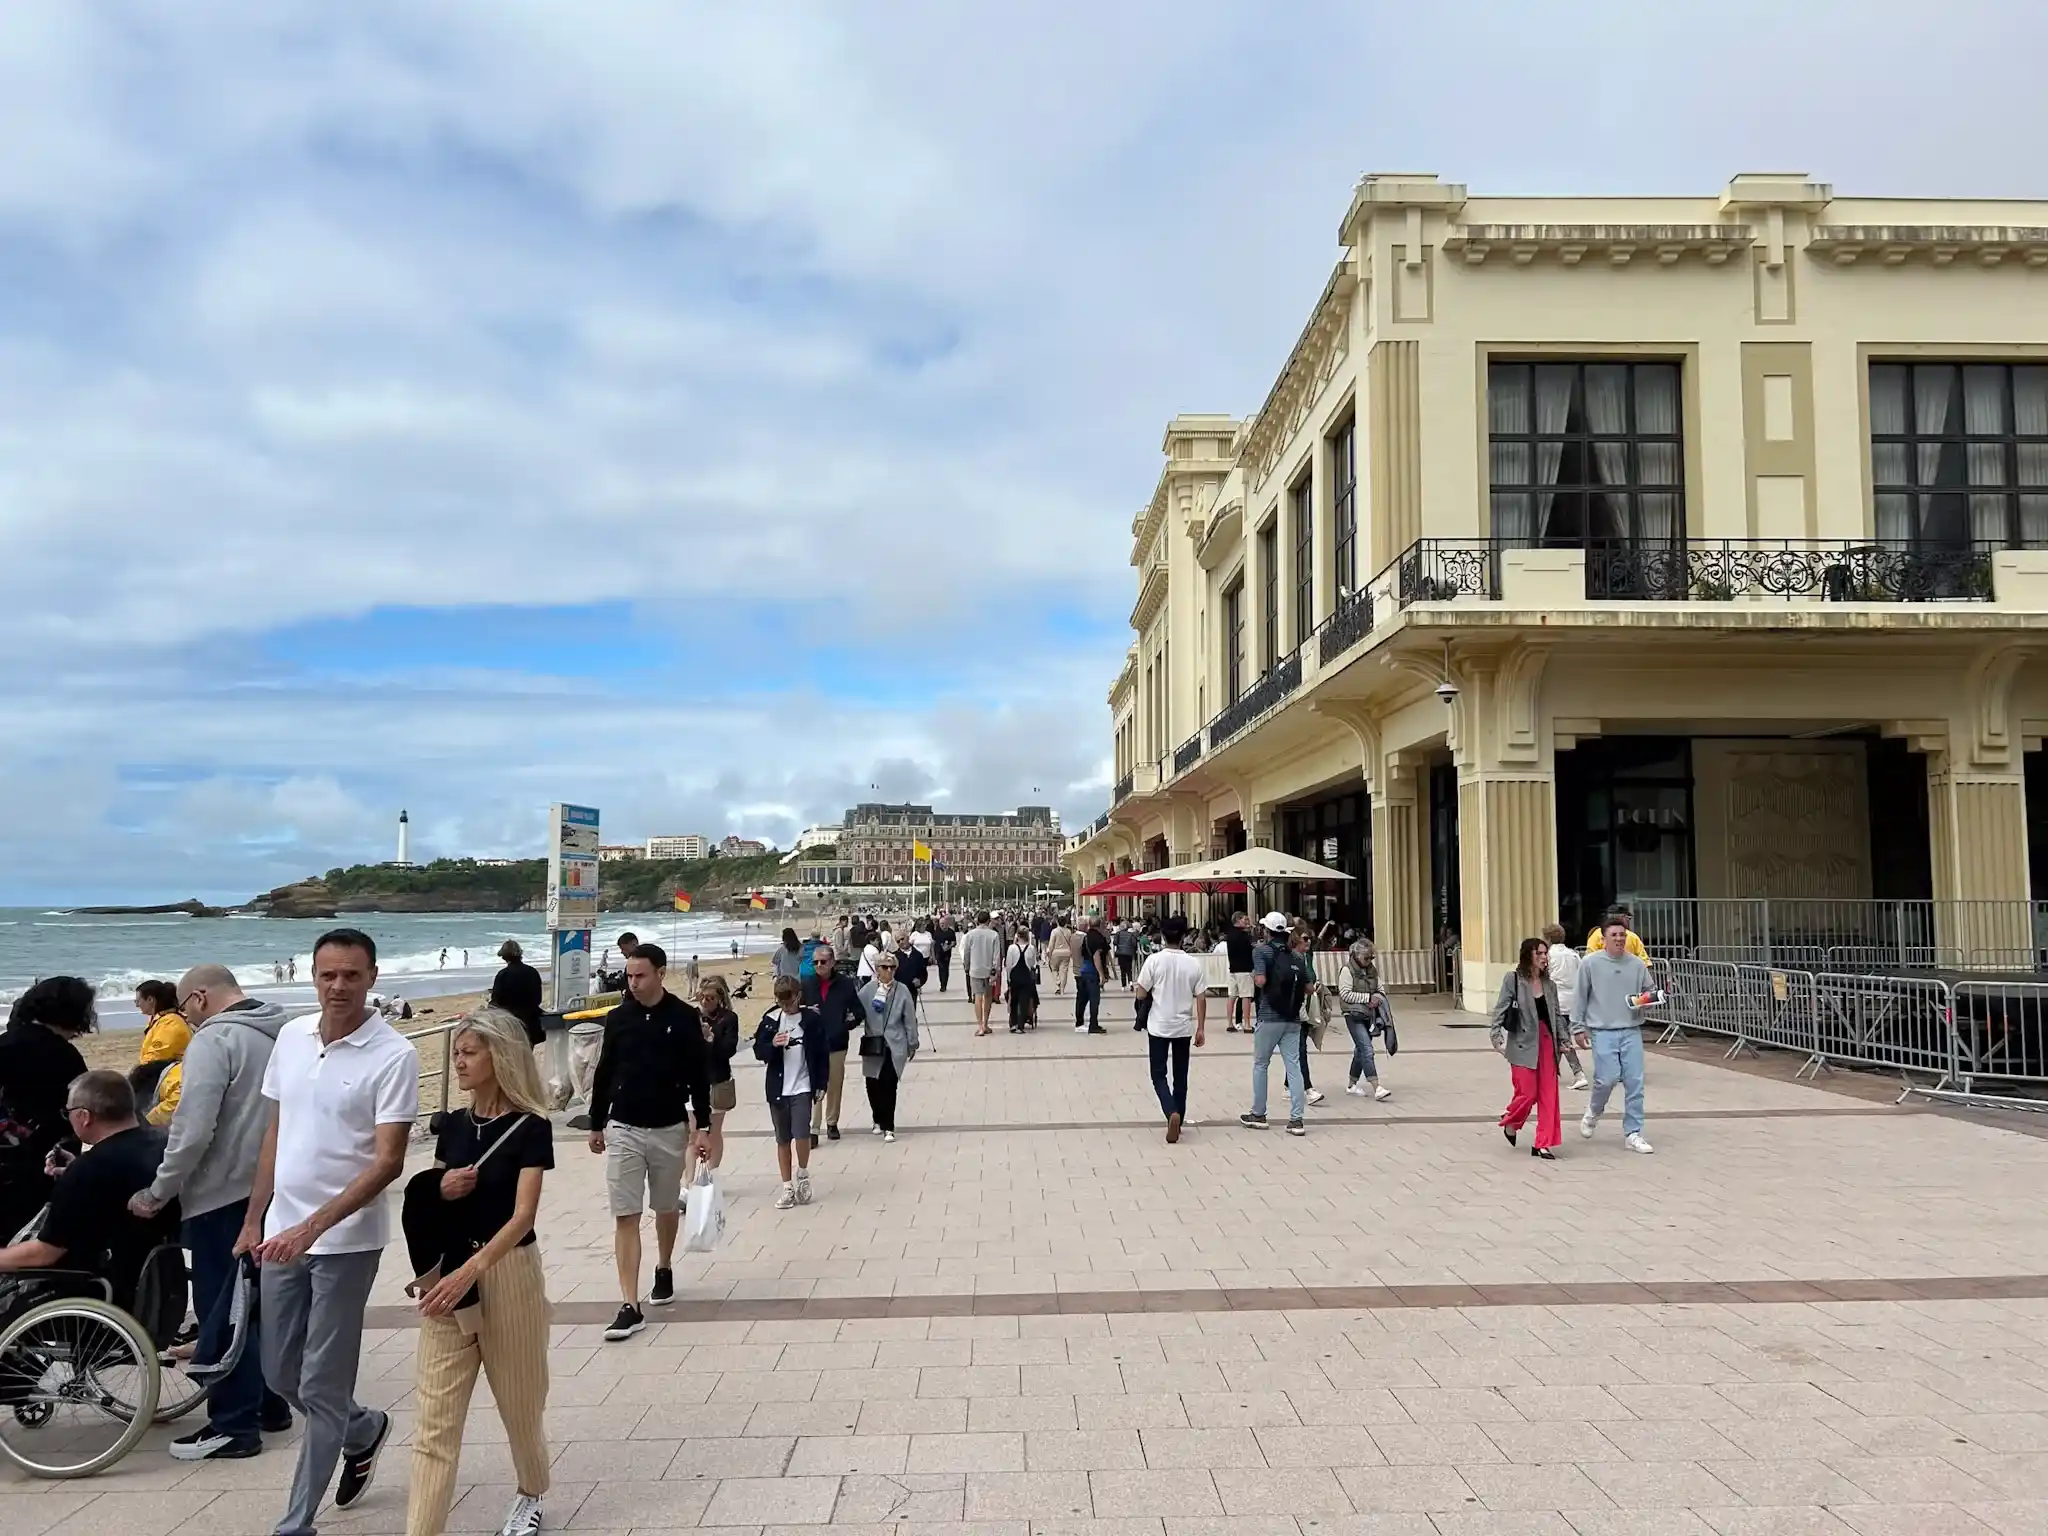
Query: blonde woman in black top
point(488, 1309)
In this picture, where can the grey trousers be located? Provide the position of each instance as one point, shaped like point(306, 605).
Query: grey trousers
point(312, 1344)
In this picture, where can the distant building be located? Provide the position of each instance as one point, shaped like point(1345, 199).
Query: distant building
point(741, 848)
point(404, 839)
point(495, 863)
point(687, 846)
point(810, 838)
point(614, 853)
point(876, 839)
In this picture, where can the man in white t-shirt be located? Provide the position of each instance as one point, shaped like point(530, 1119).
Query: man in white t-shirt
point(1172, 978)
point(345, 1086)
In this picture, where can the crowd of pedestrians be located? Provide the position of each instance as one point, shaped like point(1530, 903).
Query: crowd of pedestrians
point(276, 1139)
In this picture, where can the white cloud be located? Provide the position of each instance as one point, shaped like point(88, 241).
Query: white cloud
point(847, 327)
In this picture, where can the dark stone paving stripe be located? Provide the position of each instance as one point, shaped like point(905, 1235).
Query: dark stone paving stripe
point(1726, 1293)
point(1323, 1118)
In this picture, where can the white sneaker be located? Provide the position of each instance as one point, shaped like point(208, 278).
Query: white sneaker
point(874, 1130)
point(1315, 1095)
point(1080, 1029)
point(888, 1136)
point(786, 1199)
point(524, 1520)
point(1356, 1090)
point(1635, 1141)
point(1588, 1124)
point(1582, 1085)
point(1381, 1093)
point(803, 1188)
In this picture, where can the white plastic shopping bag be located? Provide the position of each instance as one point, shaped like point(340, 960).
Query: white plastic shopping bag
point(703, 1213)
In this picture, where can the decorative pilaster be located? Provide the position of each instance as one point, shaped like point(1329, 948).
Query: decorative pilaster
point(1400, 861)
point(1507, 813)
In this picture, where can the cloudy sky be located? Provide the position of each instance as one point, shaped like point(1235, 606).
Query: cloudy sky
point(707, 412)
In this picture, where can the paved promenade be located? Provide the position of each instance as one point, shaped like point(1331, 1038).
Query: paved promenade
point(1810, 1311)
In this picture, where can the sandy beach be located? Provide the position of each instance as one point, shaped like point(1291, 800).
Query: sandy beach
point(117, 1048)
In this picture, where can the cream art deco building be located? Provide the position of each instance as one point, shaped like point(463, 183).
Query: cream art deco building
point(1591, 548)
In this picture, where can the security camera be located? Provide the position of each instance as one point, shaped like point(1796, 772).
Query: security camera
point(1447, 691)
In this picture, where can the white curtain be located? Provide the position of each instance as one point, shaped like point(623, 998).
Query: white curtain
point(1553, 410)
point(1507, 412)
point(1607, 419)
point(1657, 416)
point(2030, 419)
point(1888, 418)
point(1932, 386)
point(1984, 416)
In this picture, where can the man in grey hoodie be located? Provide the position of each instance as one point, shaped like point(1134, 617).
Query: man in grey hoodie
point(1611, 982)
point(209, 1167)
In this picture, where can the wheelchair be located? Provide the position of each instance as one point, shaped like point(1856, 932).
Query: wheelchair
point(82, 1380)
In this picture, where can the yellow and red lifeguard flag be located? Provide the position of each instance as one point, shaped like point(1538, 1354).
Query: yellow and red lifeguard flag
point(682, 901)
point(921, 852)
point(758, 902)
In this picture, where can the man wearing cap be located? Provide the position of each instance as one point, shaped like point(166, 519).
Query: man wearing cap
point(1280, 980)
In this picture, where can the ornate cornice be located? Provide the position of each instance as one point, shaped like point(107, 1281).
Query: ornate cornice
point(1935, 244)
point(1323, 344)
point(1616, 244)
point(1225, 526)
point(1151, 595)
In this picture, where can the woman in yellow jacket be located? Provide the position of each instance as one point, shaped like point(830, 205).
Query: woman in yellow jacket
point(159, 1068)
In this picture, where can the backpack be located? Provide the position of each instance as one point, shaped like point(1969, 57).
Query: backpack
point(1284, 986)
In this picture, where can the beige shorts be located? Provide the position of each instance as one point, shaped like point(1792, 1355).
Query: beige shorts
point(643, 1167)
point(1240, 983)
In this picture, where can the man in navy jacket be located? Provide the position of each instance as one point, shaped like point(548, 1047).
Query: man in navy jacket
point(837, 999)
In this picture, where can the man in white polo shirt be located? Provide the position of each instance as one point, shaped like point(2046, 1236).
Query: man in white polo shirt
point(346, 1089)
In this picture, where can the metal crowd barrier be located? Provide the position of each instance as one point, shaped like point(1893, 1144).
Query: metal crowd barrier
point(1908, 1024)
point(2000, 1031)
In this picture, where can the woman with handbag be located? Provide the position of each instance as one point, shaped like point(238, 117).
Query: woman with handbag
point(1528, 1027)
point(722, 1033)
point(1362, 997)
point(482, 1295)
point(888, 1042)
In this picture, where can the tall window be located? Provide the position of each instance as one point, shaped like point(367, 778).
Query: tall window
point(1269, 580)
point(1959, 453)
point(1233, 639)
point(1302, 503)
point(1586, 453)
point(1344, 510)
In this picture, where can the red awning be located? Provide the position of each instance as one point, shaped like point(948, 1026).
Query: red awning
point(1131, 885)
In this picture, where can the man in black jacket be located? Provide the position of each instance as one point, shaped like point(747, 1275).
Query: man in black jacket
point(837, 999)
point(653, 1072)
point(516, 989)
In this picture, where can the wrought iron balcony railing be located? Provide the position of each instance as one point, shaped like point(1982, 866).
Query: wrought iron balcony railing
point(1720, 570)
point(1351, 623)
point(1441, 570)
point(1122, 791)
point(1188, 753)
point(1263, 695)
point(1711, 570)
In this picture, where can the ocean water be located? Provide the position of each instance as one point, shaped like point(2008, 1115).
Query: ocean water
point(114, 953)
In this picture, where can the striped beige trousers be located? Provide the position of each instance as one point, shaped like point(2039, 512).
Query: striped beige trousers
point(511, 1344)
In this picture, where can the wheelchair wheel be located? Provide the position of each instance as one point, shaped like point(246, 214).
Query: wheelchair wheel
point(78, 1388)
point(177, 1394)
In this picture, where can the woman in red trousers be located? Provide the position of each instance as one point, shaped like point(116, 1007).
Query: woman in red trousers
point(1527, 1029)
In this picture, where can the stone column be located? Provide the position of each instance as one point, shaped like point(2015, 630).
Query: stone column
point(1400, 859)
point(1507, 813)
point(1977, 820)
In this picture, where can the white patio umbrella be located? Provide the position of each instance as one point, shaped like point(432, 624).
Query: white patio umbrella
point(1251, 864)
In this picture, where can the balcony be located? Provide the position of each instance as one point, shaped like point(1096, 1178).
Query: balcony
point(1188, 753)
point(1351, 623)
point(1711, 571)
point(1121, 791)
point(1720, 570)
point(1265, 694)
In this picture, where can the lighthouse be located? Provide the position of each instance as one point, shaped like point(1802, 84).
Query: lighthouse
point(404, 838)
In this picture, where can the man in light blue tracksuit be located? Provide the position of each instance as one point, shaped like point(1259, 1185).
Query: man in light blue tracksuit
point(1610, 981)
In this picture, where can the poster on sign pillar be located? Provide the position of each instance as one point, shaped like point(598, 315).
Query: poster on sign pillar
point(572, 968)
point(572, 897)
